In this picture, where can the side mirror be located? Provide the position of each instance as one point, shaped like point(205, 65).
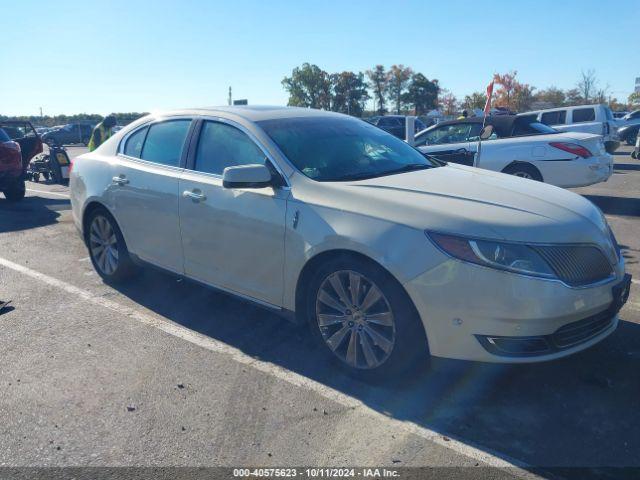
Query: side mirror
point(246, 176)
point(486, 132)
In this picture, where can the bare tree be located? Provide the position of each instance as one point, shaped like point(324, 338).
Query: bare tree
point(588, 85)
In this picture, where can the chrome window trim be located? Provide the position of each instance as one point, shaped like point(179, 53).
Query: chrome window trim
point(251, 136)
point(149, 124)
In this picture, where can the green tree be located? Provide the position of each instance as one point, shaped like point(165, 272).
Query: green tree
point(308, 86)
point(378, 80)
point(552, 95)
point(634, 99)
point(399, 77)
point(477, 100)
point(422, 94)
point(349, 93)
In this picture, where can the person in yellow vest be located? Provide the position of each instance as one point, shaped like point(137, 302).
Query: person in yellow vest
point(464, 115)
point(101, 132)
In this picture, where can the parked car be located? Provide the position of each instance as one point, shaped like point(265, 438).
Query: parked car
point(629, 131)
point(619, 115)
point(523, 147)
point(636, 151)
point(68, 134)
point(635, 115)
point(324, 218)
point(596, 119)
point(11, 171)
point(23, 133)
point(396, 125)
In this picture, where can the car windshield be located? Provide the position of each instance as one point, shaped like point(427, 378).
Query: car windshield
point(532, 128)
point(341, 149)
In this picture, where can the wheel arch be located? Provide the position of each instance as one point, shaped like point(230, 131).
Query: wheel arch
point(89, 208)
point(516, 163)
point(303, 281)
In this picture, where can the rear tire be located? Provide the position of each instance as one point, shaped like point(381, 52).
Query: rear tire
point(16, 191)
point(524, 170)
point(107, 248)
point(371, 339)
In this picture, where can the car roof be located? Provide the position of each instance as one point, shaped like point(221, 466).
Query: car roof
point(254, 113)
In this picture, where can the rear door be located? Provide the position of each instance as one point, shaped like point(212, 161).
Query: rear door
point(24, 134)
point(145, 188)
point(449, 143)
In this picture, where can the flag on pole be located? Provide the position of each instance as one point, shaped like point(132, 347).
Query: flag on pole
point(487, 106)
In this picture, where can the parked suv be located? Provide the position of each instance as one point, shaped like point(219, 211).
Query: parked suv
point(596, 119)
point(70, 133)
point(325, 219)
point(11, 172)
point(395, 124)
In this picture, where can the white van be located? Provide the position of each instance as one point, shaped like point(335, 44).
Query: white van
point(596, 119)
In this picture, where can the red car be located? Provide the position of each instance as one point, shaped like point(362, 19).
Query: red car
point(19, 143)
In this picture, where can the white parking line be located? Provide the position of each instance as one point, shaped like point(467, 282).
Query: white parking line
point(63, 195)
point(493, 459)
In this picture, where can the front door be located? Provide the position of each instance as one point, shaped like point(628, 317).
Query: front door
point(449, 143)
point(145, 188)
point(232, 238)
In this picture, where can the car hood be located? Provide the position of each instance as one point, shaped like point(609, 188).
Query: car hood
point(470, 201)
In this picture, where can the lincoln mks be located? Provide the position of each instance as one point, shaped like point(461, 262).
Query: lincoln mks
point(387, 254)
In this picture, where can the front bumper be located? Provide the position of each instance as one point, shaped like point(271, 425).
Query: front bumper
point(462, 305)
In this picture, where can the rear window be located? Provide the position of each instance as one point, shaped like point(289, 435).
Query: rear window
point(558, 117)
point(133, 147)
point(584, 115)
point(165, 141)
point(3, 136)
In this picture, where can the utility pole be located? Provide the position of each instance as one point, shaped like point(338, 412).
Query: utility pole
point(40, 113)
point(229, 96)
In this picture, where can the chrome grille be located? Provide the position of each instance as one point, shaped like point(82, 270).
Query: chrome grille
point(577, 265)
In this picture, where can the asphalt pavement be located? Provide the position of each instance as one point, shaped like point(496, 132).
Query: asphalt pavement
point(162, 372)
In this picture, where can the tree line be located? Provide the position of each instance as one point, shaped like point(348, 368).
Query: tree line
point(400, 89)
point(92, 118)
point(397, 89)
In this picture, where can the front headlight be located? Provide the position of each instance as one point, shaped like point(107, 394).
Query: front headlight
point(512, 257)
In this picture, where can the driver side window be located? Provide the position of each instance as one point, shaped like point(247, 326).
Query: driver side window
point(221, 145)
point(446, 134)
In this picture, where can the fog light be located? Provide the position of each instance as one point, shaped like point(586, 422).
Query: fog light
point(514, 346)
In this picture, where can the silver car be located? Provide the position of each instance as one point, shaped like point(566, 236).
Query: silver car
point(326, 219)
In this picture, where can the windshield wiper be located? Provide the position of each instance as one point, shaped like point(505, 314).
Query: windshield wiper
point(410, 167)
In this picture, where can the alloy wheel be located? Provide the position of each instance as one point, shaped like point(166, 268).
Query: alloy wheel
point(103, 245)
point(355, 319)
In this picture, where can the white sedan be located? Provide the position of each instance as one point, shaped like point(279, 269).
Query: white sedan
point(521, 147)
point(326, 219)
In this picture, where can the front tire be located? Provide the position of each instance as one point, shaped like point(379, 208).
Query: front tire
point(524, 170)
point(364, 320)
point(16, 191)
point(107, 248)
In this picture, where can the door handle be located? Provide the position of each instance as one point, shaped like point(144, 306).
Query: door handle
point(195, 195)
point(121, 180)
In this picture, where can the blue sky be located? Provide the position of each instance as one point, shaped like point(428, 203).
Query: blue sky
point(86, 56)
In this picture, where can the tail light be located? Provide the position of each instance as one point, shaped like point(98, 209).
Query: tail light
point(12, 145)
point(572, 148)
